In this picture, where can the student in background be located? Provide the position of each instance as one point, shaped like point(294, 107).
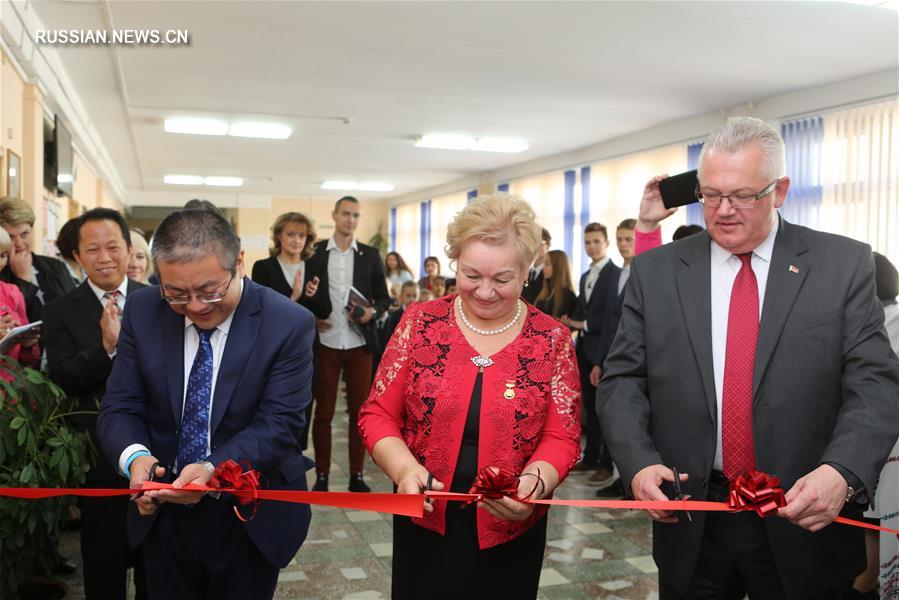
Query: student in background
point(348, 338)
point(534, 284)
point(556, 297)
point(398, 272)
point(432, 272)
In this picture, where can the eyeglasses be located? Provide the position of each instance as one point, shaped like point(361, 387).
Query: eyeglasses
point(714, 200)
point(202, 298)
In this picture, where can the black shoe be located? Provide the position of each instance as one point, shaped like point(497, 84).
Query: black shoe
point(64, 566)
point(616, 490)
point(321, 483)
point(357, 484)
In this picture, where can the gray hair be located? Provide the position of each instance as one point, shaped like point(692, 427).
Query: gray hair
point(740, 132)
point(189, 235)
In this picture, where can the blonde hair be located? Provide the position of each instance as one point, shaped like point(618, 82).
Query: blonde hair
point(496, 219)
point(300, 219)
point(15, 212)
point(5, 241)
point(139, 244)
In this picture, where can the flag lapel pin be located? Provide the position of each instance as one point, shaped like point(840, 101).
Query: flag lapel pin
point(794, 269)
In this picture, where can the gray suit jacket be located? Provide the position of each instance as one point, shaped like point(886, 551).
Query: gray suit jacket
point(826, 389)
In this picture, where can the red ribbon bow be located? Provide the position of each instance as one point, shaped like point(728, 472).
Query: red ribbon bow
point(230, 476)
point(494, 483)
point(756, 491)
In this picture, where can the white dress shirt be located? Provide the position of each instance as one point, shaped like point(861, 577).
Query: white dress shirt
point(191, 345)
point(343, 335)
point(622, 279)
point(724, 269)
point(120, 301)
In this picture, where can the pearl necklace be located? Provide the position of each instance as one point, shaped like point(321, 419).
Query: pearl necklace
point(498, 331)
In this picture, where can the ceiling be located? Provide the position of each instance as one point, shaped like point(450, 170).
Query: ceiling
point(560, 75)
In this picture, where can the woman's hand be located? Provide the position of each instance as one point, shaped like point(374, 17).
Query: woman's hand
point(414, 480)
point(510, 509)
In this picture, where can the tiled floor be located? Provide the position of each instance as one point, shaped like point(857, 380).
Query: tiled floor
point(589, 554)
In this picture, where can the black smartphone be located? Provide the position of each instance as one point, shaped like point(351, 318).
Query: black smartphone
point(679, 190)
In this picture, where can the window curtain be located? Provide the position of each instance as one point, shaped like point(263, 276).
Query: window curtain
point(503, 187)
point(859, 172)
point(694, 211)
point(616, 186)
point(424, 236)
point(472, 194)
point(546, 193)
point(443, 210)
point(568, 214)
point(408, 230)
point(803, 140)
point(579, 259)
point(393, 229)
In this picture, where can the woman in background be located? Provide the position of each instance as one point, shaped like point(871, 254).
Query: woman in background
point(397, 270)
point(65, 244)
point(293, 243)
point(140, 267)
point(12, 314)
point(432, 272)
point(557, 297)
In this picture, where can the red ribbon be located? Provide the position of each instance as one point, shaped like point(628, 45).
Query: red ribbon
point(239, 480)
point(493, 483)
point(412, 505)
point(756, 491)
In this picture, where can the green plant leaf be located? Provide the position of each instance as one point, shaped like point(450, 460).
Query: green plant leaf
point(54, 442)
point(20, 438)
point(26, 474)
point(64, 467)
point(16, 423)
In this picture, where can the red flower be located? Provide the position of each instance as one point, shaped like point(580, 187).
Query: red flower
point(439, 332)
point(532, 349)
point(429, 385)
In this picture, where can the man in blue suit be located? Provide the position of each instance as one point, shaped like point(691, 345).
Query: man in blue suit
point(209, 367)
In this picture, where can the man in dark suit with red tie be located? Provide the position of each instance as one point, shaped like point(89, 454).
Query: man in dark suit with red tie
point(758, 344)
point(81, 333)
point(210, 367)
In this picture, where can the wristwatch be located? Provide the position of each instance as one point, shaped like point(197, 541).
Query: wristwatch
point(853, 495)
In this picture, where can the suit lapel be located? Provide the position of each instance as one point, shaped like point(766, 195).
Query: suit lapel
point(360, 273)
point(239, 345)
point(694, 288)
point(88, 303)
point(173, 325)
point(786, 274)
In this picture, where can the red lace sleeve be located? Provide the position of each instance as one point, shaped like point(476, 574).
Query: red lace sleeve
point(560, 442)
point(383, 413)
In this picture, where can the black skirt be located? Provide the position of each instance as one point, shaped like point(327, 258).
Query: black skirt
point(429, 565)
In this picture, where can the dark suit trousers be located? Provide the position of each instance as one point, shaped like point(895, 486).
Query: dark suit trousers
point(736, 559)
point(356, 367)
point(203, 552)
point(104, 549)
point(594, 450)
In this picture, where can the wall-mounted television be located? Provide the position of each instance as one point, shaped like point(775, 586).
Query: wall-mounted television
point(59, 171)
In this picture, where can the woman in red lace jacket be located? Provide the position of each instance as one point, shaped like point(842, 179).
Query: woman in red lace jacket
point(474, 380)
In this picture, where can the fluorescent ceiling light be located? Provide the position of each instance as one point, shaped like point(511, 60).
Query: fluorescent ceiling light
point(183, 179)
point(224, 181)
point(340, 185)
point(196, 126)
point(270, 131)
point(64, 178)
point(500, 145)
point(376, 186)
point(888, 4)
point(445, 141)
point(462, 142)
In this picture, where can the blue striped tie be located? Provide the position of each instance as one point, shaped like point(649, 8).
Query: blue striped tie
point(192, 442)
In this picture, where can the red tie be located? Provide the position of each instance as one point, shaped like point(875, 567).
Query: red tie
point(738, 454)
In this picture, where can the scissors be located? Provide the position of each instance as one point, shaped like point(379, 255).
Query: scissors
point(151, 477)
point(679, 492)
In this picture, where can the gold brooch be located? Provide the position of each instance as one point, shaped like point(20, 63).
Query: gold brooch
point(509, 394)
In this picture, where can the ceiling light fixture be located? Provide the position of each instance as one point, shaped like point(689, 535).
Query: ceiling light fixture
point(340, 185)
point(196, 126)
point(183, 180)
point(269, 131)
point(462, 142)
point(224, 181)
point(376, 186)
